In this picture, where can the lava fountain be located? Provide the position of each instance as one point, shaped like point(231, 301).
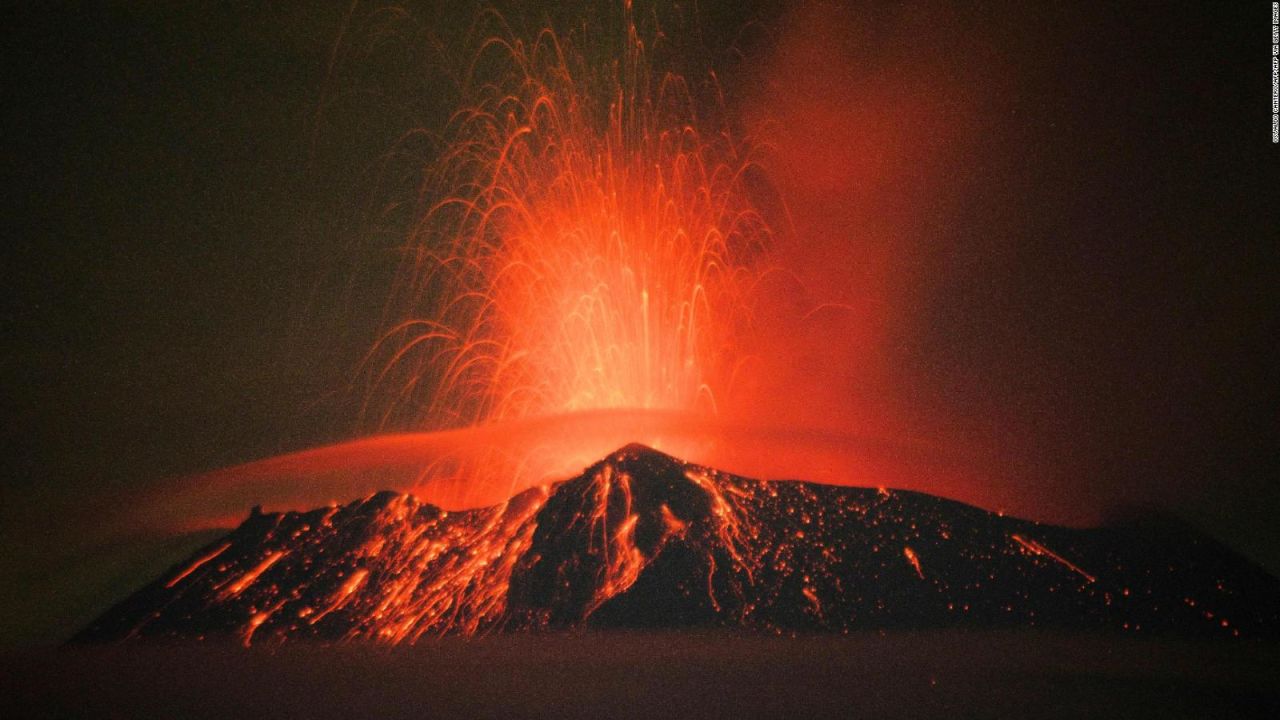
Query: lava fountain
point(587, 241)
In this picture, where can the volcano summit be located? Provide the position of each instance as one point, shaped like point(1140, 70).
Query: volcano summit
point(641, 539)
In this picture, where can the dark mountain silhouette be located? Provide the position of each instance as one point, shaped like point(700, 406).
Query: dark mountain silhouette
point(642, 540)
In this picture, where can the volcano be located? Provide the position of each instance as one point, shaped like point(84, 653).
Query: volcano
point(643, 540)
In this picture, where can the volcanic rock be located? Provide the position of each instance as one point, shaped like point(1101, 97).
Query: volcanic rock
point(643, 540)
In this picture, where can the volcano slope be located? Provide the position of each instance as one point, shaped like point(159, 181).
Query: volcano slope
point(643, 540)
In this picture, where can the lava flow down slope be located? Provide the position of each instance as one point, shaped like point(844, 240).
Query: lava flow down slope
point(643, 540)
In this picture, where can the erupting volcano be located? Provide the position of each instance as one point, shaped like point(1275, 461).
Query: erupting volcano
point(643, 540)
point(585, 261)
point(621, 358)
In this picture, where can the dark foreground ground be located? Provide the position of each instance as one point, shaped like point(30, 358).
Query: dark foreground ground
point(657, 675)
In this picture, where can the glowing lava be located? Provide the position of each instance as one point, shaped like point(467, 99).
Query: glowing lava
point(587, 242)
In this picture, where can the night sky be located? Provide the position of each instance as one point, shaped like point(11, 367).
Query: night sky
point(1076, 206)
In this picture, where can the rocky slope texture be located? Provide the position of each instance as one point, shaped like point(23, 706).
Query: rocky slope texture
point(642, 540)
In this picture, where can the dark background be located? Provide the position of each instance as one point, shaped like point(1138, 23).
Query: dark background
point(196, 238)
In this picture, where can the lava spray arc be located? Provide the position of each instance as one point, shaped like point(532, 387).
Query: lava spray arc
point(586, 241)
